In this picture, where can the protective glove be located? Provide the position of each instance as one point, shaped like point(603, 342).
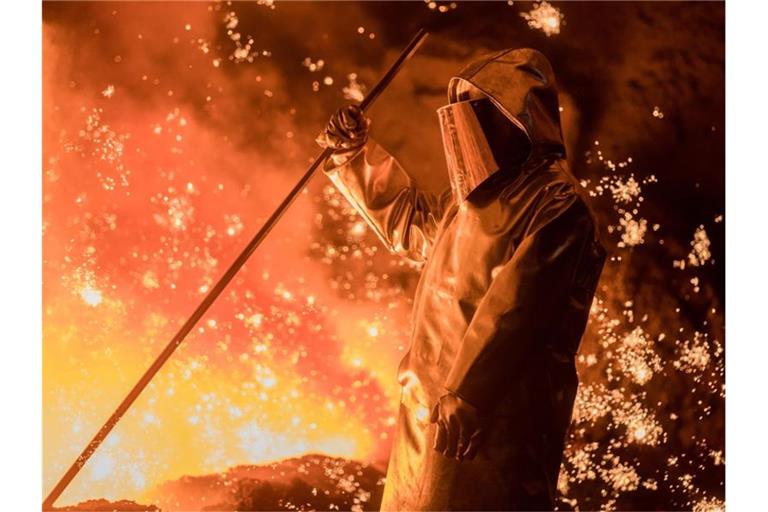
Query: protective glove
point(346, 130)
point(460, 427)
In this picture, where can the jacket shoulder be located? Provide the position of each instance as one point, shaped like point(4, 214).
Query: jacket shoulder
point(556, 197)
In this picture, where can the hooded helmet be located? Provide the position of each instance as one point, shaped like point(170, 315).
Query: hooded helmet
point(502, 112)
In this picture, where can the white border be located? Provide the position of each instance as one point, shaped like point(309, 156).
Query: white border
point(746, 252)
point(20, 253)
point(20, 257)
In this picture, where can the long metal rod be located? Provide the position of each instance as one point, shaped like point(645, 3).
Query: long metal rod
point(209, 299)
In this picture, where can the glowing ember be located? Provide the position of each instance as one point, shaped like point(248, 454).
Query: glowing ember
point(149, 280)
point(544, 17)
point(313, 66)
point(700, 254)
point(441, 7)
point(354, 91)
point(622, 477)
point(695, 355)
point(636, 356)
point(625, 191)
point(709, 505)
point(633, 231)
point(244, 50)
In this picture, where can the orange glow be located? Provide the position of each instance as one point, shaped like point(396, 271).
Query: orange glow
point(145, 205)
point(172, 130)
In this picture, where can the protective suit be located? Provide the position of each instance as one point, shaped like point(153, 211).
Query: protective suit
point(511, 263)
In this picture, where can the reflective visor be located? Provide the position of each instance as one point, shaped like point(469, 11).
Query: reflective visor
point(467, 152)
point(478, 140)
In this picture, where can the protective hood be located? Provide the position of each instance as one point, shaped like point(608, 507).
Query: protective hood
point(521, 85)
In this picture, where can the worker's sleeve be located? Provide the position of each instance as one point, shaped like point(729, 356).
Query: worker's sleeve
point(404, 218)
point(539, 300)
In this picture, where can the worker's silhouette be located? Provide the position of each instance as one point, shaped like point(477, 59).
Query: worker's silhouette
point(511, 263)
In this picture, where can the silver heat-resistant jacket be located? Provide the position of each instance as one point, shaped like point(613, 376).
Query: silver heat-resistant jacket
point(502, 302)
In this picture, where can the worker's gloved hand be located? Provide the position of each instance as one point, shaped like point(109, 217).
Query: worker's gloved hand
point(347, 129)
point(460, 427)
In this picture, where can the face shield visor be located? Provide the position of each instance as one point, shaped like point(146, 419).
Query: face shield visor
point(479, 141)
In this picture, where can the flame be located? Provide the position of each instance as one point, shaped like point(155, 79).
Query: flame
point(145, 205)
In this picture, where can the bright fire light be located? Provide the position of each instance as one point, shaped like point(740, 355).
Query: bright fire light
point(91, 296)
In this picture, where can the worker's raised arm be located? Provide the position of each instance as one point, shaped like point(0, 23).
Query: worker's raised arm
point(404, 218)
